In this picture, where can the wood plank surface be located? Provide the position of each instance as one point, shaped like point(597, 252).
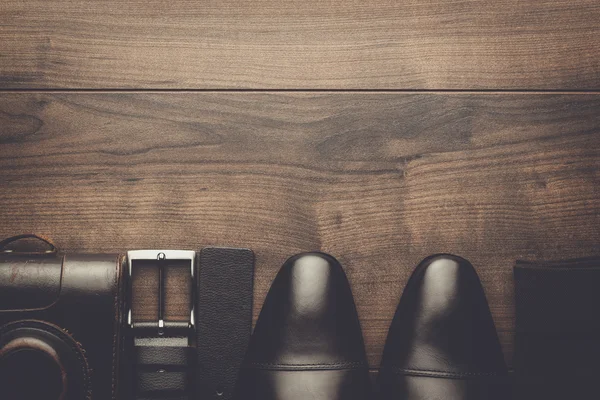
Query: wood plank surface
point(379, 180)
point(293, 44)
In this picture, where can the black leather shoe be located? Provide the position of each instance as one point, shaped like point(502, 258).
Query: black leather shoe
point(442, 344)
point(307, 343)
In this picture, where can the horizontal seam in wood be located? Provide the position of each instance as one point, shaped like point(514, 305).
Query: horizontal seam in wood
point(592, 91)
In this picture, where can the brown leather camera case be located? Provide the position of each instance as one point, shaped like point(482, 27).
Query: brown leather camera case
point(67, 308)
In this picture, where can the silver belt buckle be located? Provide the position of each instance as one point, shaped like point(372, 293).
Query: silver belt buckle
point(161, 257)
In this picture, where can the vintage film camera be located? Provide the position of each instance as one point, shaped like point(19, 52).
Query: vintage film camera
point(121, 326)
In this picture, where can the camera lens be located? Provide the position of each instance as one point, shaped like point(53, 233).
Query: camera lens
point(41, 361)
point(30, 372)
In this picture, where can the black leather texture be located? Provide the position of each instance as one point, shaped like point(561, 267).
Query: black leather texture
point(86, 306)
point(307, 343)
point(223, 318)
point(557, 341)
point(163, 367)
point(164, 355)
point(442, 342)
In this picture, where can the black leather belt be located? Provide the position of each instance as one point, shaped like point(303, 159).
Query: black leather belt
point(224, 319)
point(205, 347)
point(163, 350)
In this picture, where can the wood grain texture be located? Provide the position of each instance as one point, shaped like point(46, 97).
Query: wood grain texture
point(314, 44)
point(380, 180)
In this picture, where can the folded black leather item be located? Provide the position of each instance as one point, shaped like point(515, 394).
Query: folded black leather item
point(557, 342)
point(223, 318)
point(307, 343)
point(442, 344)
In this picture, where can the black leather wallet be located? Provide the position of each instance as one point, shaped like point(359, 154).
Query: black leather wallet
point(557, 343)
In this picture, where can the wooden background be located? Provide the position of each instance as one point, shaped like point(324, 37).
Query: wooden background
point(379, 131)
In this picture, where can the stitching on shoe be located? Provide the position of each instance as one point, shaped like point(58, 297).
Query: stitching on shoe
point(307, 367)
point(445, 374)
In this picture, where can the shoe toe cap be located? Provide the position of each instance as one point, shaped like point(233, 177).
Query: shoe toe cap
point(309, 316)
point(443, 322)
